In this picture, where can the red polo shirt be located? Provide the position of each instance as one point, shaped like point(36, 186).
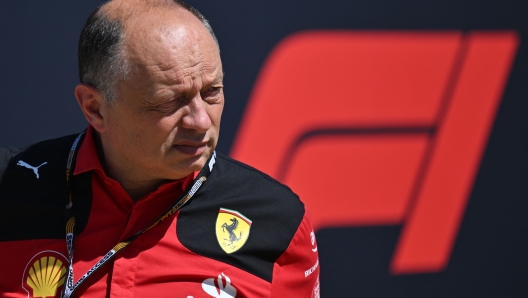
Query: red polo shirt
point(156, 264)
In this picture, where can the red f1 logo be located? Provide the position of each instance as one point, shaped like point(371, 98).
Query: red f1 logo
point(380, 128)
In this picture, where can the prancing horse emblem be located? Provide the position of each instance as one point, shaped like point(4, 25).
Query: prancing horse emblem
point(26, 165)
point(232, 229)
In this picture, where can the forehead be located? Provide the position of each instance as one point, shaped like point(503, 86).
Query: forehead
point(171, 41)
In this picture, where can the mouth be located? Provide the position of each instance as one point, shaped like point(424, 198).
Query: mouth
point(190, 148)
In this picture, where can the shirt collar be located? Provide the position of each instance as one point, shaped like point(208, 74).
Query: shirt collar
point(87, 158)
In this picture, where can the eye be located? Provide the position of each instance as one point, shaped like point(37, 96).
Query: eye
point(168, 106)
point(212, 94)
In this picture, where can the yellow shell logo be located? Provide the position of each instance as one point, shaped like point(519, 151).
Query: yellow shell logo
point(232, 229)
point(45, 274)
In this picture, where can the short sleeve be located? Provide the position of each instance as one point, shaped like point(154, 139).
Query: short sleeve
point(296, 271)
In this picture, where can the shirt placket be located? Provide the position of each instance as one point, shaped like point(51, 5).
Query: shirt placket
point(125, 264)
point(141, 214)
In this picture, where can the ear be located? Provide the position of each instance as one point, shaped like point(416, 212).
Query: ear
point(91, 102)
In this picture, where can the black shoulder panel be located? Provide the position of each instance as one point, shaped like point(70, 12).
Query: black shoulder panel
point(33, 193)
point(275, 211)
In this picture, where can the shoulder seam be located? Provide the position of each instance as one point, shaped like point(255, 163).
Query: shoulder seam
point(250, 168)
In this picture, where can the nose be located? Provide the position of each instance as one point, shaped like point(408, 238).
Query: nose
point(197, 117)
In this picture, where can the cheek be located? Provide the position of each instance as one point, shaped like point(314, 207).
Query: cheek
point(163, 132)
point(216, 114)
point(166, 125)
point(116, 128)
point(131, 132)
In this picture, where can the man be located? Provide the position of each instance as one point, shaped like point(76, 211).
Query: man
point(140, 204)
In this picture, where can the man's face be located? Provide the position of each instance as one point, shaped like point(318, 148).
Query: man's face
point(165, 121)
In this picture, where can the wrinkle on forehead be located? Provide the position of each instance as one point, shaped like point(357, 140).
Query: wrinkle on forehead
point(200, 69)
point(195, 77)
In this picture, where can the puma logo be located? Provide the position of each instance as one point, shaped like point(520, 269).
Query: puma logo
point(26, 165)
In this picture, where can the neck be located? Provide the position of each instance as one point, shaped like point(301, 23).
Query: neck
point(133, 183)
point(139, 189)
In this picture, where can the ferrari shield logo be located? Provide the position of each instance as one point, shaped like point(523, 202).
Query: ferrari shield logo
point(232, 229)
